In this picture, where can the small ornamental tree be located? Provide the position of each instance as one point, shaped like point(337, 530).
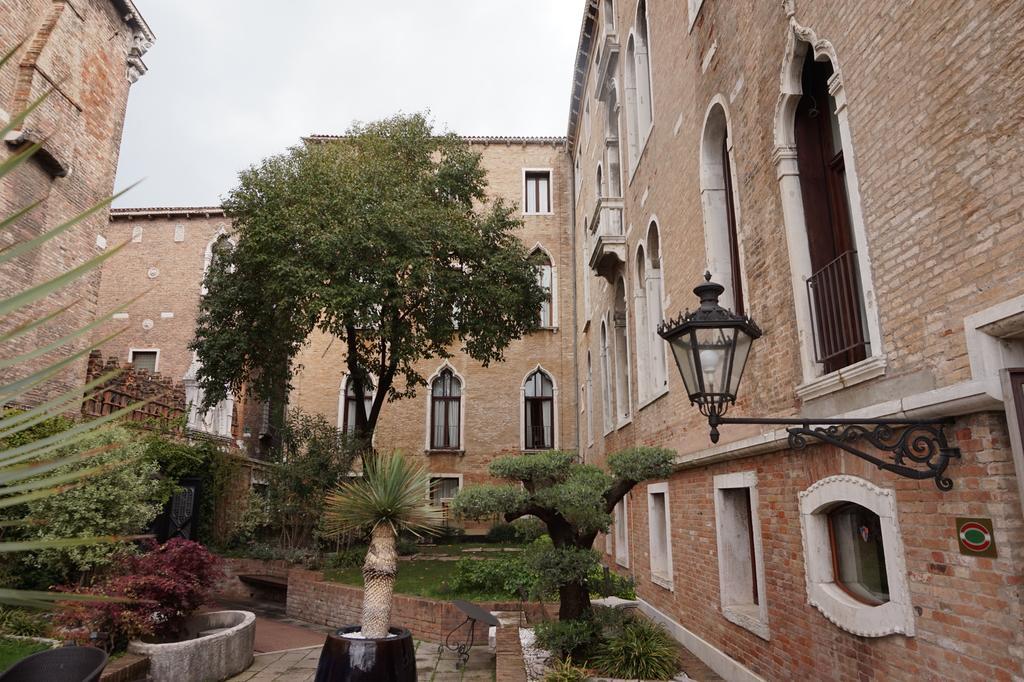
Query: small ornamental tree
point(386, 240)
point(575, 502)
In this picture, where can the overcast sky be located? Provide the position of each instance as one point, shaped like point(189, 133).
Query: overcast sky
point(233, 81)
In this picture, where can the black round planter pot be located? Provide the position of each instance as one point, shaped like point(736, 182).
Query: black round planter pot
point(391, 659)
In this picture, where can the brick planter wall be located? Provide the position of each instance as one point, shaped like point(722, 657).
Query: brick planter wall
point(313, 599)
point(230, 587)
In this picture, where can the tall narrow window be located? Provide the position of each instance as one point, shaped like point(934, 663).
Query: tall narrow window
point(545, 275)
point(644, 110)
point(590, 401)
point(740, 569)
point(348, 416)
point(643, 332)
point(539, 411)
point(621, 515)
point(655, 311)
point(660, 534)
point(606, 380)
point(443, 490)
point(834, 288)
point(718, 197)
point(622, 392)
point(445, 411)
point(537, 192)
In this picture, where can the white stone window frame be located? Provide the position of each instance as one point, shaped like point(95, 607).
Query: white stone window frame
point(463, 399)
point(895, 616)
point(208, 252)
point(156, 362)
point(620, 515)
point(656, 367)
point(342, 390)
point(664, 579)
point(431, 475)
point(753, 617)
point(800, 39)
point(713, 201)
point(551, 191)
point(638, 145)
point(555, 421)
point(554, 282)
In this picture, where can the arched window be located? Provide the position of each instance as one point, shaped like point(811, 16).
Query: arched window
point(837, 304)
point(644, 111)
point(622, 396)
point(833, 287)
point(718, 196)
point(600, 183)
point(608, 15)
point(590, 400)
point(641, 319)
point(606, 380)
point(545, 277)
point(539, 411)
point(347, 421)
point(613, 159)
point(632, 134)
point(445, 411)
point(655, 311)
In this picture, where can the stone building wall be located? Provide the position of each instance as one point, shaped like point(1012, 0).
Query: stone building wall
point(939, 198)
point(89, 52)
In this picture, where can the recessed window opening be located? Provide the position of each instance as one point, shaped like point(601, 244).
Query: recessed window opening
point(144, 360)
point(858, 553)
point(539, 398)
point(621, 516)
point(545, 275)
point(590, 401)
point(622, 392)
point(741, 555)
point(445, 409)
point(833, 288)
point(655, 311)
point(660, 534)
point(606, 379)
point(538, 192)
point(349, 407)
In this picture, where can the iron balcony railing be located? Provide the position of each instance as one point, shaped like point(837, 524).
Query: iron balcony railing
point(837, 308)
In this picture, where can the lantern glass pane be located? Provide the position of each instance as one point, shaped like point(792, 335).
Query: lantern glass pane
point(714, 347)
point(682, 349)
point(743, 343)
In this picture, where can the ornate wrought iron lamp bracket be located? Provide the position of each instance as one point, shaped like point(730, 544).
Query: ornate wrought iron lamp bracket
point(918, 449)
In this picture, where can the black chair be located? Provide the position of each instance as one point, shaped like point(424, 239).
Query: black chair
point(66, 664)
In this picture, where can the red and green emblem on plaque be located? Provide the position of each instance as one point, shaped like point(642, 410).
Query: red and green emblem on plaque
point(975, 537)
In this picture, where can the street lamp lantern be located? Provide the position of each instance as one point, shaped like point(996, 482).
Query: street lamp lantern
point(711, 346)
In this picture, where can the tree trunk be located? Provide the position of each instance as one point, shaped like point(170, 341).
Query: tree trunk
point(574, 601)
point(379, 571)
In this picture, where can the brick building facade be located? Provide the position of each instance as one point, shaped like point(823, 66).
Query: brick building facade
point(689, 139)
point(169, 250)
point(797, 150)
point(89, 52)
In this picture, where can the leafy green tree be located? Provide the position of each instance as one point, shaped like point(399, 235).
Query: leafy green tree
point(575, 502)
point(384, 239)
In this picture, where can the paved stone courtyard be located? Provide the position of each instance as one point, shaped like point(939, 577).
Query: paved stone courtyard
point(299, 665)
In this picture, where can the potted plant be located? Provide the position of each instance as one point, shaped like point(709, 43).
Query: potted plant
point(389, 498)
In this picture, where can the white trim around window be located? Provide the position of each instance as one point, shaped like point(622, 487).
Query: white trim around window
point(551, 190)
point(659, 527)
point(554, 409)
point(893, 617)
point(430, 405)
point(621, 520)
point(553, 289)
point(156, 362)
point(740, 553)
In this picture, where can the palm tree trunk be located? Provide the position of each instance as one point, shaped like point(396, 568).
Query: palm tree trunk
point(379, 571)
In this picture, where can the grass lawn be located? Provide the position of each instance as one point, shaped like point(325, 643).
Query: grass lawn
point(458, 548)
point(426, 577)
point(13, 650)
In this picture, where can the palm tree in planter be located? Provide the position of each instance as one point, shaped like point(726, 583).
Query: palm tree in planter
point(391, 497)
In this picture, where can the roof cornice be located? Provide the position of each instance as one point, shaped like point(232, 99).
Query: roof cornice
point(579, 75)
point(155, 212)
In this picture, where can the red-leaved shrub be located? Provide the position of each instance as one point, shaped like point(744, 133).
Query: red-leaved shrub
point(157, 591)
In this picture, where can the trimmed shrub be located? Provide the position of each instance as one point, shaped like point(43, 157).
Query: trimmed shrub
point(611, 584)
point(160, 589)
point(642, 651)
point(567, 638)
point(524, 531)
point(506, 576)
